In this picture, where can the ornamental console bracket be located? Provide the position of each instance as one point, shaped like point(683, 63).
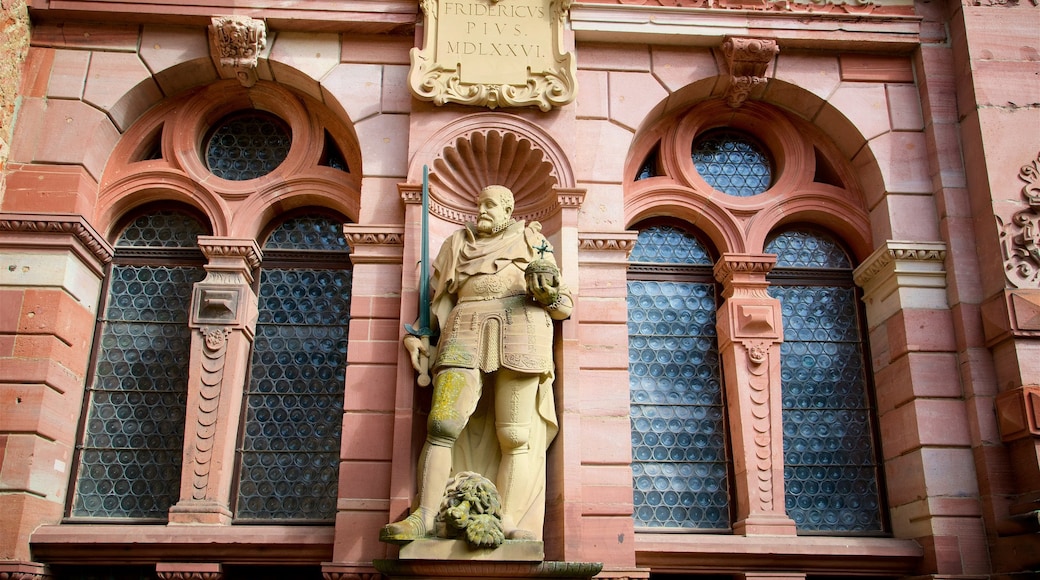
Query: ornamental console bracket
point(235, 45)
point(746, 59)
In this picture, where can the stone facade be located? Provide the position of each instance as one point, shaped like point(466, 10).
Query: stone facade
point(908, 131)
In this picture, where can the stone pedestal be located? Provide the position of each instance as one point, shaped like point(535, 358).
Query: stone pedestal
point(442, 549)
point(484, 569)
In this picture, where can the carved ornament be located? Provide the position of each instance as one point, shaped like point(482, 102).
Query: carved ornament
point(1018, 413)
point(494, 53)
point(375, 239)
point(858, 7)
point(182, 575)
point(746, 60)
point(486, 156)
point(212, 378)
point(607, 243)
point(245, 250)
point(1020, 237)
point(235, 46)
point(90, 242)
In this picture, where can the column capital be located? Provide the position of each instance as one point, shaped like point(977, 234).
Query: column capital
point(900, 275)
point(744, 274)
point(230, 256)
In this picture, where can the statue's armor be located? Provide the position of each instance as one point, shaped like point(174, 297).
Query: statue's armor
point(495, 324)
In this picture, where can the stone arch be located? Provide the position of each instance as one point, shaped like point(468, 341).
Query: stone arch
point(235, 208)
point(807, 151)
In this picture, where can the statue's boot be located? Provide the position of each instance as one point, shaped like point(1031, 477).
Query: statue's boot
point(404, 531)
point(511, 486)
point(434, 469)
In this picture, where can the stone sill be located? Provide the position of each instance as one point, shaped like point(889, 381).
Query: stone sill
point(806, 554)
point(146, 544)
point(709, 27)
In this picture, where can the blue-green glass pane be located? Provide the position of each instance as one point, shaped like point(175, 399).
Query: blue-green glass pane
point(151, 293)
point(247, 146)
point(308, 233)
point(733, 163)
point(680, 473)
point(669, 245)
point(804, 249)
point(830, 470)
point(129, 463)
point(163, 229)
point(294, 404)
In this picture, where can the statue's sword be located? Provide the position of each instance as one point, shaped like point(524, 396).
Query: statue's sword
point(424, 332)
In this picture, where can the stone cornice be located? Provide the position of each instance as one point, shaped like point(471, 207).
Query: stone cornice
point(375, 244)
point(570, 198)
point(927, 254)
point(23, 230)
point(608, 241)
point(375, 235)
point(246, 249)
point(888, 27)
point(744, 264)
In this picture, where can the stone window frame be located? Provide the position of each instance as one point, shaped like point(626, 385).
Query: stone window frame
point(813, 184)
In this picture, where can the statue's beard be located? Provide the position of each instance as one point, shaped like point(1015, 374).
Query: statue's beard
point(486, 227)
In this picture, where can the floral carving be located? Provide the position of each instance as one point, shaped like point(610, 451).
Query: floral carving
point(236, 43)
point(1020, 237)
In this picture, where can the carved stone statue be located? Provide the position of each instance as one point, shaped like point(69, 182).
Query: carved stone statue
point(494, 299)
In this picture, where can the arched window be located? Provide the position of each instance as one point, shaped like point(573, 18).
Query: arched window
point(680, 466)
point(130, 457)
point(289, 455)
point(831, 473)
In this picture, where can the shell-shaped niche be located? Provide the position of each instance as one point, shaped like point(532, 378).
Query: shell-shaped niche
point(492, 157)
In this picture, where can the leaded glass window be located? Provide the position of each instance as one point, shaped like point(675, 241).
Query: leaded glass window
point(247, 145)
point(680, 465)
point(289, 457)
point(733, 162)
point(130, 457)
point(830, 460)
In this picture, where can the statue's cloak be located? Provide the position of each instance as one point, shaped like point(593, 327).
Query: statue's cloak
point(462, 255)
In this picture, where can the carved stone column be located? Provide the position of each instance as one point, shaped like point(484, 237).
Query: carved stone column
point(223, 318)
point(750, 333)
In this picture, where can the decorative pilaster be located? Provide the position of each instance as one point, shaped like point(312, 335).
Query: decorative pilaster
point(746, 60)
point(235, 46)
point(750, 332)
point(223, 316)
point(374, 369)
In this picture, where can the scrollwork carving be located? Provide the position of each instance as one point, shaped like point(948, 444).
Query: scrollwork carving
point(747, 60)
point(1020, 236)
point(442, 82)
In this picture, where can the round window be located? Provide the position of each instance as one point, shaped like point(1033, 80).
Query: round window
point(733, 162)
point(247, 145)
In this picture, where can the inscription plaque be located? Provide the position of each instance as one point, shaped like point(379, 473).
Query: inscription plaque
point(494, 53)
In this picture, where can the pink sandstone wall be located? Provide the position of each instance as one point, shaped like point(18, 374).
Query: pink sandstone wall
point(932, 132)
